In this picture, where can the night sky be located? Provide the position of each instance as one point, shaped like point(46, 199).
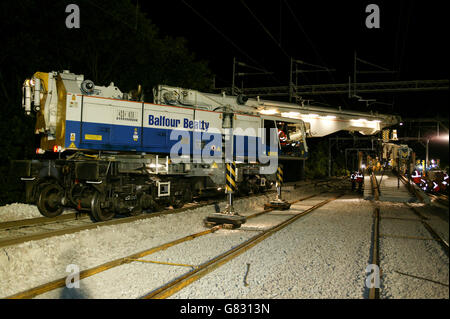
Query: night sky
point(111, 46)
point(265, 34)
point(412, 41)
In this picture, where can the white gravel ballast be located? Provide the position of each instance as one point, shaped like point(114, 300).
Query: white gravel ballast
point(321, 255)
point(18, 211)
point(37, 262)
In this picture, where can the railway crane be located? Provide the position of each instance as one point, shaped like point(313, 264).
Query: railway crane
point(108, 152)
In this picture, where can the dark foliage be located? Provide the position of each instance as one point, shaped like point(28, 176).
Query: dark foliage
point(115, 43)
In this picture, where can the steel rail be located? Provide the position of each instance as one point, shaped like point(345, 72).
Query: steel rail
point(375, 186)
point(436, 236)
point(68, 217)
point(74, 229)
point(374, 292)
point(411, 188)
point(440, 198)
point(61, 282)
point(179, 283)
point(41, 220)
point(116, 221)
point(430, 229)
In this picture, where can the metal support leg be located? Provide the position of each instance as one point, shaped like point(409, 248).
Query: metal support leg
point(278, 203)
point(230, 209)
point(229, 216)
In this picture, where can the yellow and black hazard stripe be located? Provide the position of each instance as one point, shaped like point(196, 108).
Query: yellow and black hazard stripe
point(231, 177)
point(279, 176)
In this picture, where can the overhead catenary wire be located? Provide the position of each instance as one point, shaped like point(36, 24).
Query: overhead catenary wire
point(312, 46)
point(372, 64)
point(121, 20)
point(399, 54)
point(313, 65)
point(405, 36)
point(273, 38)
point(304, 32)
point(225, 37)
point(265, 29)
point(134, 28)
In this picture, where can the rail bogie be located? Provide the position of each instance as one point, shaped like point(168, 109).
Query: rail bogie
point(106, 187)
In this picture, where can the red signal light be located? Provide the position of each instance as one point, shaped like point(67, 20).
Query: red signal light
point(55, 148)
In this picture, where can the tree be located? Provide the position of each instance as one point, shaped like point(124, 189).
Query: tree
point(115, 43)
point(317, 165)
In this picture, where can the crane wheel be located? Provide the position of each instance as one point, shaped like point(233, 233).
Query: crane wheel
point(99, 210)
point(49, 201)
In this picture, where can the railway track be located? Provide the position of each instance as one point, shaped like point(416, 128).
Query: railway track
point(411, 188)
point(17, 232)
point(198, 272)
point(179, 283)
point(20, 231)
point(440, 198)
point(374, 292)
point(40, 221)
point(444, 244)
